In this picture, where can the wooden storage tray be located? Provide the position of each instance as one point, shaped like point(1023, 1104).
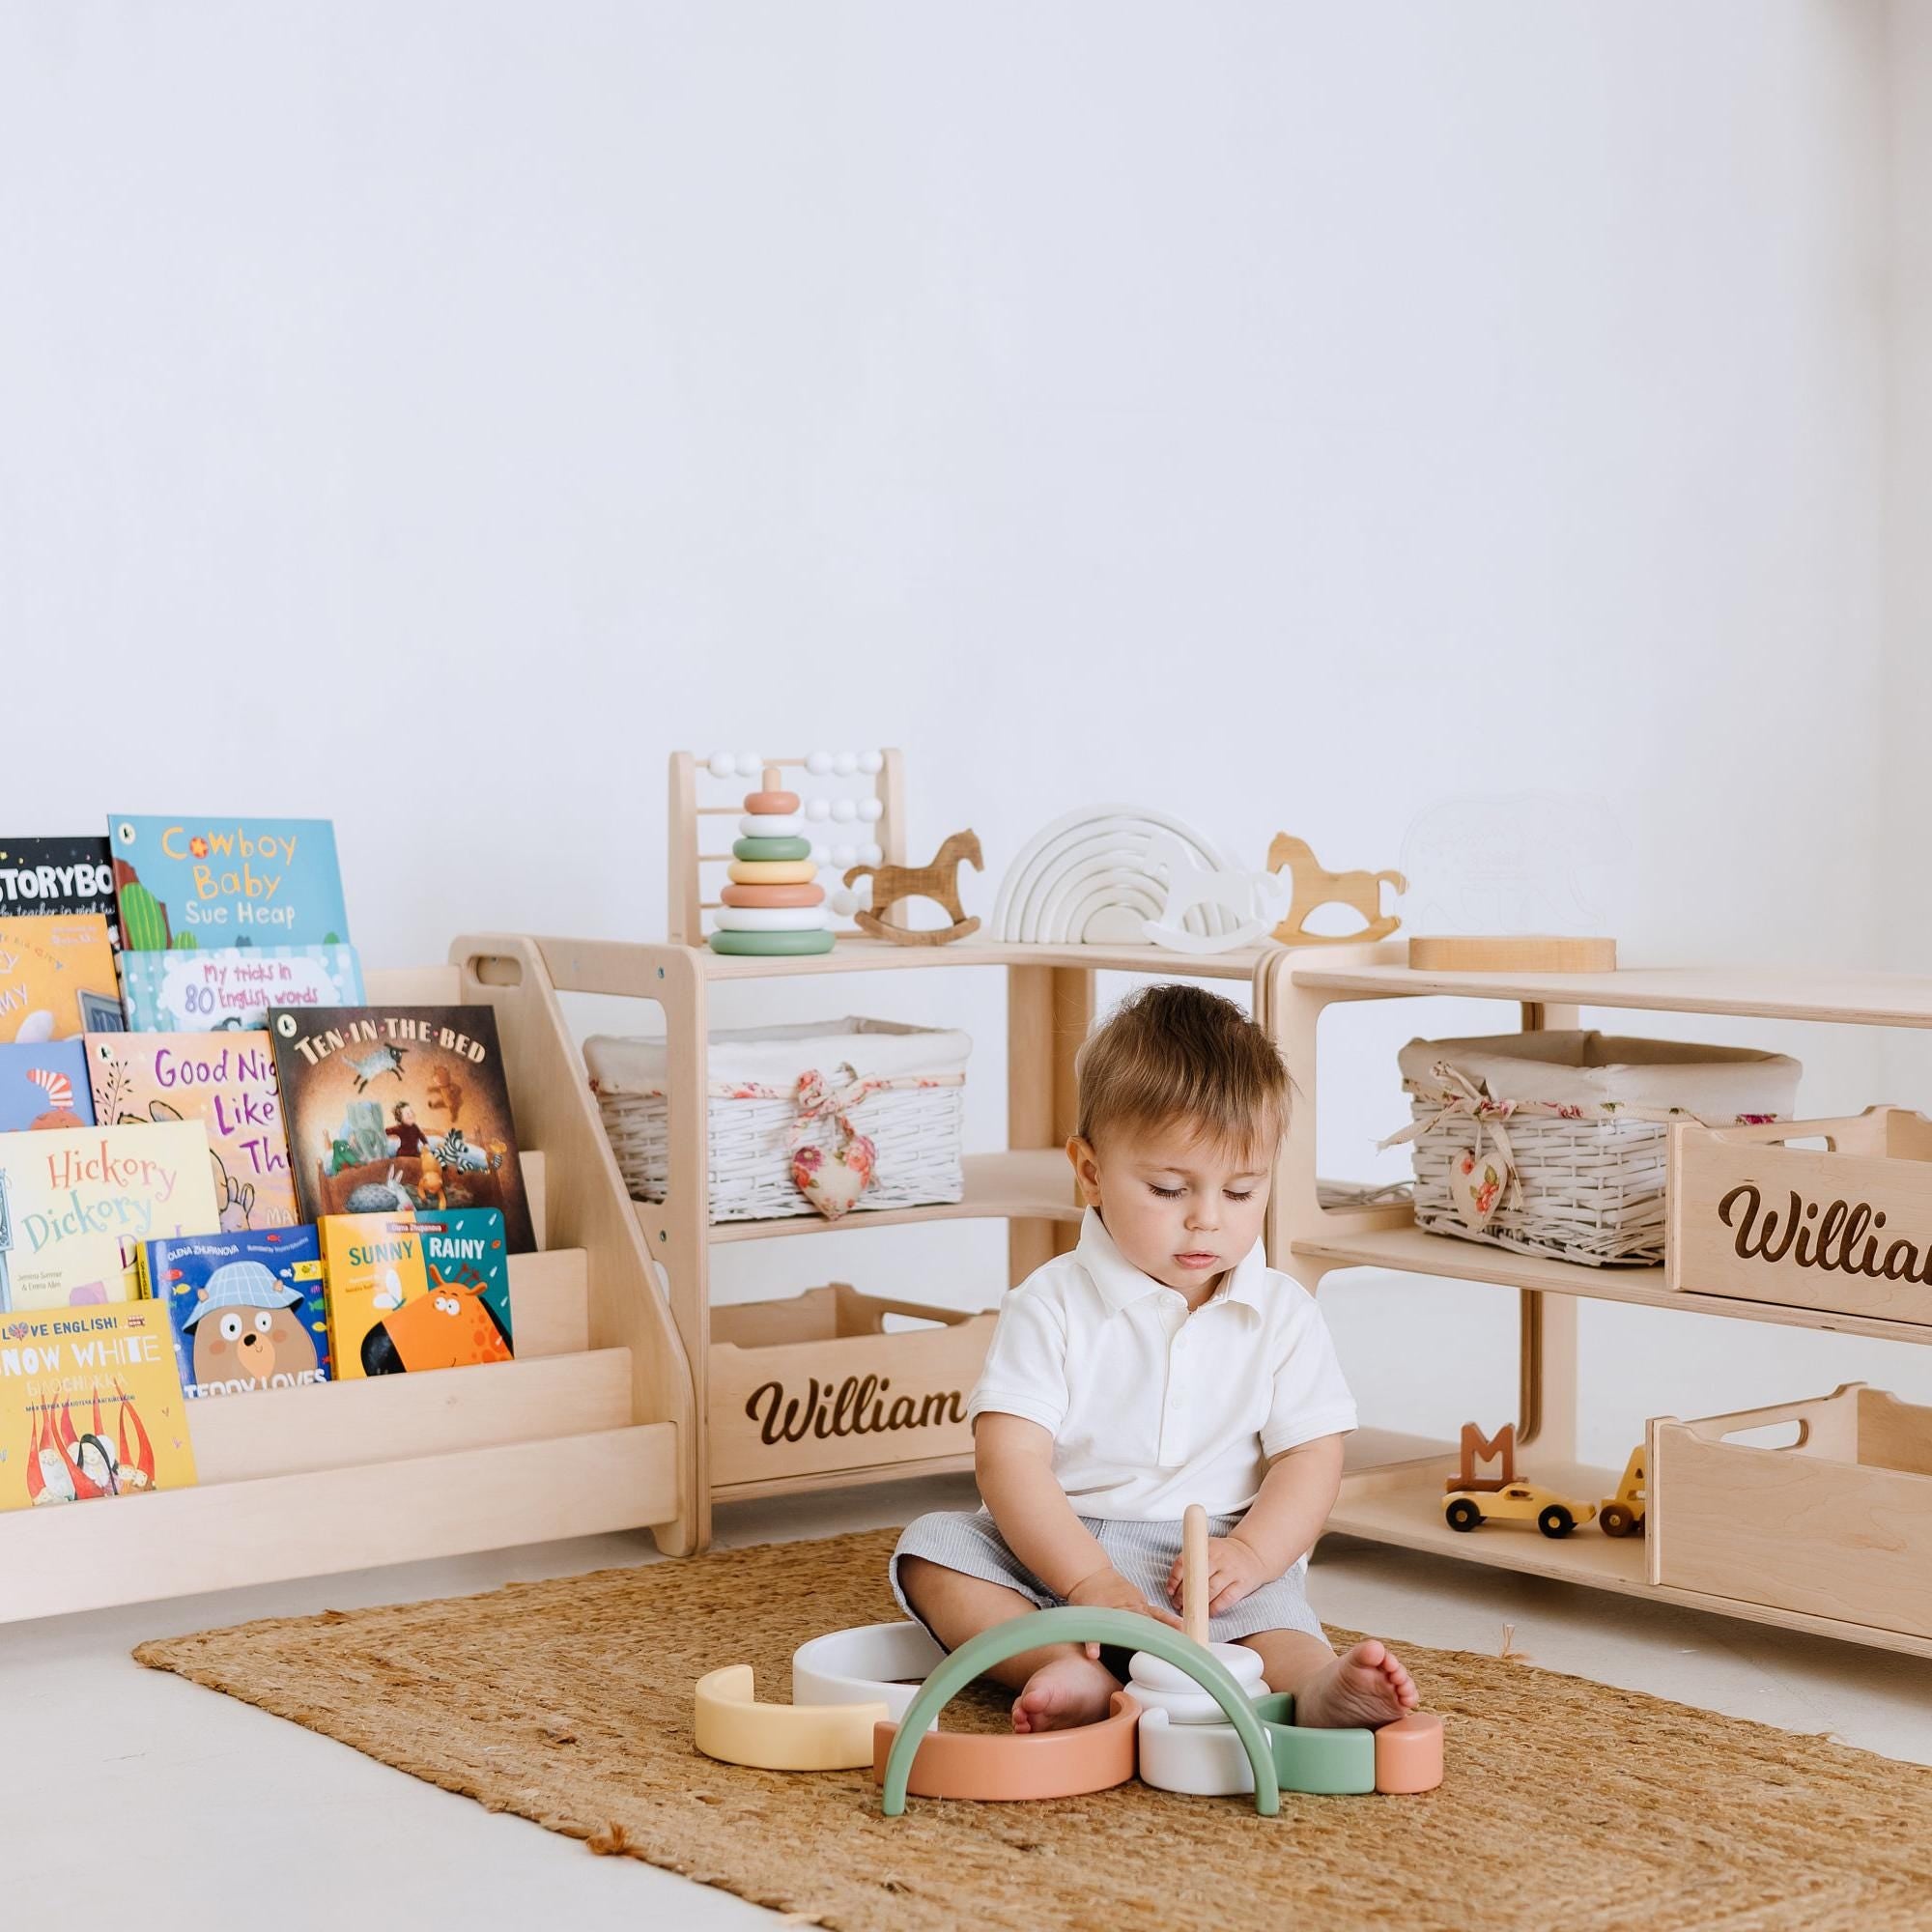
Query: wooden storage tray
point(1838, 1524)
point(1731, 1207)
point(821, 1369)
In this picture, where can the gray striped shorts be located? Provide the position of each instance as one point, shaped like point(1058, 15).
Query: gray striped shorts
point(1142, 1553)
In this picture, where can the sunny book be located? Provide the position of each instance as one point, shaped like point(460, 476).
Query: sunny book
point(56, 978)
point(410, 1292)
point(221, 882)
point(76, 1206)
point(246, 1311)
point(226, 1081)
point(90, 1407)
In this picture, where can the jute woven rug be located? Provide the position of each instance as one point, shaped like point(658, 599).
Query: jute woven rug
point(1567, 1805)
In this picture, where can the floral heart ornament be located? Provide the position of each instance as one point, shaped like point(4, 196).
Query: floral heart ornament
point(831, 1178)
point(1479, 1177)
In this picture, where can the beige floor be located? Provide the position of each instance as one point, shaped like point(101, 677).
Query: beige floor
point(136, 1798)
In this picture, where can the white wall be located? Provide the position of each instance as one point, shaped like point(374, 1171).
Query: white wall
point(430, 415)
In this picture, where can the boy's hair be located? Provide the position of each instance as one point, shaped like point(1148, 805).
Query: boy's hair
point(1181, 1053)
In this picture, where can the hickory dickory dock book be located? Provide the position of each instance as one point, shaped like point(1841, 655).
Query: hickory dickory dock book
point(226, 1081)
point(226, 882)
point(413, 1291)
point(246, 1310)
point(90, 1407)
point(76, 1206)
point(399, 1107)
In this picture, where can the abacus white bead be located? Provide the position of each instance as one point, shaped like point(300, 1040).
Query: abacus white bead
point(845, 810)
point(843, 904)
point(872, 763)
point(818, 808)
point(845, 763)
point(872, 855)
point(819, 763)
point(721, 765)
point(845, 855)
point(871, 808)
point(749, 764)
point(821, 853)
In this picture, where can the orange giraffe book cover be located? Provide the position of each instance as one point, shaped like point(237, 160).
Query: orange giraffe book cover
point(409, 1291)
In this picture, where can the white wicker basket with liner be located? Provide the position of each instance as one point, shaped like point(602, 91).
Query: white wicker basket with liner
point(779, 1093)
point(1558, 1142)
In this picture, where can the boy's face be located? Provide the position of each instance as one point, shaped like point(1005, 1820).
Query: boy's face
point(1180, 1208)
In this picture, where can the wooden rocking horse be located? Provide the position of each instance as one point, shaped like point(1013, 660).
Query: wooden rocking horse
point(1361, 891)
point(938, 882)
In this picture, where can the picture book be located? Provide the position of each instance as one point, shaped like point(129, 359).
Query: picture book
point(226, 1081)
point(45, 1085)
point(226, 882)
point(57, 978)
point(76, 1205)
point(61, 877)
point(246, 1311)
point(191, 991)
point(90, 1407)
point(410, 1292)
point(399, 1107)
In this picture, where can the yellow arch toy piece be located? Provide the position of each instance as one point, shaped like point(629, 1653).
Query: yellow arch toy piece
point(732, 1725)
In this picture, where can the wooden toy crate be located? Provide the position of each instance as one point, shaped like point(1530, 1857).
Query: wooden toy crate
point(1836, 1524)
point(1845, 1225)
point(816, 1385)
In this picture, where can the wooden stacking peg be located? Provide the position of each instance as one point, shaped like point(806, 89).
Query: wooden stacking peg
point(1194, 1571)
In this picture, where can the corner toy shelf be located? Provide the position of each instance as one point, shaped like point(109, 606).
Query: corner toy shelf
point(1401, 1503)
point(579, 1435)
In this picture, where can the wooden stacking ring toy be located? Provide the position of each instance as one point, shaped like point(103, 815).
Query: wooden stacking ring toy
point(1002, 1761)
point(772, 895)
point(1051, 1764)
point(731, 1724)
point(770, 919)
point(866, 1666)
point(772, 871)
point(772, 945)
point(765, 850)
point(774, 804)
point(1161, 1686)
point(772, 825)
point(1206, 1760)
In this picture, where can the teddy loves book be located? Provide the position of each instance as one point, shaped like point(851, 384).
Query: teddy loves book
point(90, 1407)
point(399, 1107)
point(226, 1081)
point(411, 1292)
point(246, 1310)
point(188, 882)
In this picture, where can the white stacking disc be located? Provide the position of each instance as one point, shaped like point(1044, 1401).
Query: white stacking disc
point(1203, 1760)
point(771, 825)
point(1160, 1685)
point(771, 918)
point(865, 1666)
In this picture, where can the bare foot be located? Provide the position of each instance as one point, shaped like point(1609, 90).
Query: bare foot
point(1068, 1691)
point(1366, 1686)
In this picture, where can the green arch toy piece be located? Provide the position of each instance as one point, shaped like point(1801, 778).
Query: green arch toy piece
point(1070, 1623)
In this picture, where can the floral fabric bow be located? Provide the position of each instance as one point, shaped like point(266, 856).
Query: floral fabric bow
point(831, 1178)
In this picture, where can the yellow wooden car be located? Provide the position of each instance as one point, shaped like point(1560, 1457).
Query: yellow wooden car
point(1516, 1502)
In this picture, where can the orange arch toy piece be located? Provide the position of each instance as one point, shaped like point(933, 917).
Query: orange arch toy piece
point(1050, 1764)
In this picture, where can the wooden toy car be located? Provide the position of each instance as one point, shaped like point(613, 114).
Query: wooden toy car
point(1622, 1515)
point(1516, 1502)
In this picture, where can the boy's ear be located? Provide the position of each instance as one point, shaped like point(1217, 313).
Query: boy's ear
point(1086, 1170)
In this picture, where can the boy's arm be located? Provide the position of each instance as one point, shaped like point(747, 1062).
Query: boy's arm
point(1012, 1461)
point(1281, 1525)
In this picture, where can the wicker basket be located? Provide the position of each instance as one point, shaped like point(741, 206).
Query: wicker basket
point(902, 1087)
point(1556, 1142)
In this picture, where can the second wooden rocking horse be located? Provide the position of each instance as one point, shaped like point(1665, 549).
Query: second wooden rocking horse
point(1360, 891)
point(938, 882)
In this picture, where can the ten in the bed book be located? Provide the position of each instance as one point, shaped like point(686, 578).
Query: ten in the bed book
point(399, 1107)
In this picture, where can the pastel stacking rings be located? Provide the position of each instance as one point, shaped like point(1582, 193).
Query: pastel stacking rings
point(1207, 1760)
point(771, 918)
point(771, 824)
point(762, 851)
point(772, 871)
point(772, 895)
point(772, 945)
point(865, 1666)
point(772, 802)
point(1050, 1764)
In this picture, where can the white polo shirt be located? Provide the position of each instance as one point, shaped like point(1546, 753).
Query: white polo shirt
point(1151, 1408)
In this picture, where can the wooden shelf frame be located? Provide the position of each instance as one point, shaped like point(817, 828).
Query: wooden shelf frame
point(1401, 1502)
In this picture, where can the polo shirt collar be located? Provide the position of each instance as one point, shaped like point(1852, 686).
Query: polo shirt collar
point(1122, 1284)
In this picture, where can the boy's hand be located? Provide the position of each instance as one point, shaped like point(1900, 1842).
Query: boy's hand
point(1108, 1590)
point(1234, 1572)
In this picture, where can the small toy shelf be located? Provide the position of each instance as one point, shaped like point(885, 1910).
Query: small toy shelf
point(1401, 1503)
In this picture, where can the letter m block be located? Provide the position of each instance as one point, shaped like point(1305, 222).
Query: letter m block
point(1477, 1448)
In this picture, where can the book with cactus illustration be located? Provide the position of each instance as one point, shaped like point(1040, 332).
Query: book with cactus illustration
point(57, 877)
point(246, 1311)
point(76, 1204)
point(189, 991)
point(56, 978)
point(45, 1086)
point(394, 1108)
point(226, 1081)
point(407, 1291)
point(91, 1406)
point(224, 882)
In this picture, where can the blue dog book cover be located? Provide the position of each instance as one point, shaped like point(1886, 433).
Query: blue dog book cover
point(190, 882)
point(246, 1310)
